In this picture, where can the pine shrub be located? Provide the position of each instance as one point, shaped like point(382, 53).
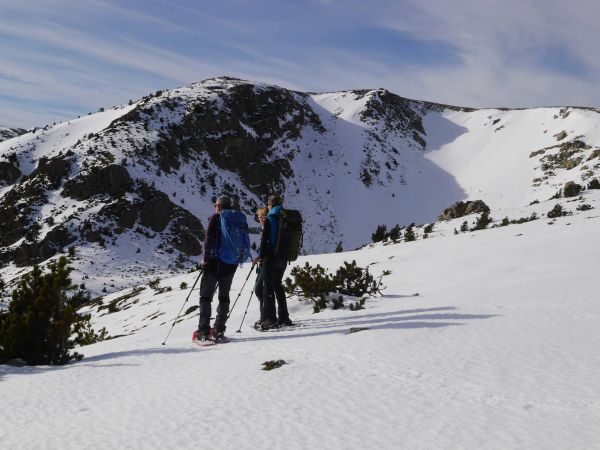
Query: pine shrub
point(41, 325)
point(380, 233)
point(350, 279)
point(321, 287)
point(557, 211)
point(409, 234)
point(310, 282)
point(594, 184)
point(482, 222)
point(571, 189)
point(395, 233)
point(584, 207)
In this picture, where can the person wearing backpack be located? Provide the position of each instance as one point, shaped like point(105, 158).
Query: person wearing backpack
point(226, 245)
point(273, 265)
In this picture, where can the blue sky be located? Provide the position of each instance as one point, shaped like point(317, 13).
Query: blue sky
point(63, 58)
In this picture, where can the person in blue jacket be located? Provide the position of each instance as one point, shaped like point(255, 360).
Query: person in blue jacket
point(215, 272)
point(272, 270)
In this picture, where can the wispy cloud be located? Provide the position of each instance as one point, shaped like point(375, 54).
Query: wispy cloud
point(80, 55)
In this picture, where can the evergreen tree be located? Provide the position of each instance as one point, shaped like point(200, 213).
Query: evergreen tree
point(557, 211)
point(395, 233)
point(483, 221)
point(594, 184)
point(41, 325)
point(409, 234)
point(339, 248)
point(350, 279)
point(464, 227)
point(380, 233)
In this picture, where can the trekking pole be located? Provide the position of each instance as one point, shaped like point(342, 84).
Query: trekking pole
point(240, 329)
point(186, 299)
point(241, 290)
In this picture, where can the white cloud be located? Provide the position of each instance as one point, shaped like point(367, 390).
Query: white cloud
point(508, 52)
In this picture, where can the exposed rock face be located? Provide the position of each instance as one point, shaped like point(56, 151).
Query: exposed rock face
point(238, 134)
point(9, 133)
point(156, 211)
point(37, 252)
point(16, 208)
point(460, 209)
point(123, 212)
point(153, 210)
point(9, 174)
point(187, 233)
point(54, 169)
point(113, 180)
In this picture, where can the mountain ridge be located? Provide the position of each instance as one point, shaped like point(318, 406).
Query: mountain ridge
point(130, 187)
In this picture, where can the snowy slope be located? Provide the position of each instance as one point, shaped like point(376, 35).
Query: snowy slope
point(488, 151)
point(498, 350)
point(348, 160)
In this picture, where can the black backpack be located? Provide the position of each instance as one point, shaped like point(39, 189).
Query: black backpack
point(289, 236)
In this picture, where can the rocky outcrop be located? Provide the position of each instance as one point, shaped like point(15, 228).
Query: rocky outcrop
point(16, 208)
point(238, 133)
point(9, 174)
point(122, 212)
point(460, 209)
point(9, 133)
point(187, 233)
point(112, 180)
point(30, 253)
point(55, 170)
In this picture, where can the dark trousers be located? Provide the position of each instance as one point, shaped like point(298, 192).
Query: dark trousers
point(213, 274)
point(259, 292)
point(273, 271)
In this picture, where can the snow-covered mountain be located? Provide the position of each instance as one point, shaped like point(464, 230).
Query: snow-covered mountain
point(9, 133)
point(129, 189)
point(499, 349)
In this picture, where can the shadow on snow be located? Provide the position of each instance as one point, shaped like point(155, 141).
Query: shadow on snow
point(438, 317)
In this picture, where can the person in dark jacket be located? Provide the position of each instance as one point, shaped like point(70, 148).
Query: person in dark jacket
point(261, 215)
point(273, 268)
point(215, 272)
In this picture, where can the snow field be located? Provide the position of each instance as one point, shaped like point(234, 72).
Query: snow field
point(499, 350)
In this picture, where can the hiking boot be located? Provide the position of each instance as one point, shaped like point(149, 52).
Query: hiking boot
point(285, 323)
point(220, 338)
point(201, 336)
point(267, 325)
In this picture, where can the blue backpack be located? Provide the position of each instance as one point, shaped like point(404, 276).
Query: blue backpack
point(235, 243)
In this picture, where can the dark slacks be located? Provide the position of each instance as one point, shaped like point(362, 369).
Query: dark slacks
point(273, 271)
point(223, 275)
point(259, 292)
